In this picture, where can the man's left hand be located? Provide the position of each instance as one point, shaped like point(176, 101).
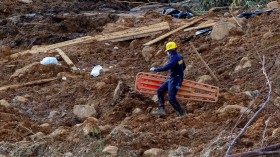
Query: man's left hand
point(152, 69)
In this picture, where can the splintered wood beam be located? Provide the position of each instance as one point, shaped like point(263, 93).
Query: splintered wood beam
point(134, 33)
point(66, 59)
point(172, 32)
point(54, 46)
point(205, 64)
point(129, 34)
point(199, 27)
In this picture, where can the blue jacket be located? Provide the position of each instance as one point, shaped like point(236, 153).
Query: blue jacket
point(176, 65)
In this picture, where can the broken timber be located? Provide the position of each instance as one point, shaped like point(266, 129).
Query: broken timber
point(134, 33)
point(205, 64)
point(37, 82)
point(172, 32)
point(66, 59)
point(116, 36)
point(199, 27)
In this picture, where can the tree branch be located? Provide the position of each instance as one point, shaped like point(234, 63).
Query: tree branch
point(257, 113)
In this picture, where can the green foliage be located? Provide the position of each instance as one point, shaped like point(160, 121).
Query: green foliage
point(100, 148)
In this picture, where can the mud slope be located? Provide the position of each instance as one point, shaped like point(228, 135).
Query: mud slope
point(38, 120)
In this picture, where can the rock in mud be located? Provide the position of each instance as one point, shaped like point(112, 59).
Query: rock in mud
point(277, 101)
point(4, 103)
point(153, 152)
point(221, 29)
point(59, 131)
point(137, 111)
point(53, 114)
point(20, 99)
point(268, 35)
point(233, 40)
point(37, 136)
point(119, 131)
point(236, 31)
point(180, 151)
point(111, 150)
point(232, 108)
point(252, 94)
point(68, 154)
point(90, 127)
point(100, 85)
point(244, 63)
point(204, 78)
point(105, 129)
point(276, 132)
point(235, 88)
point(273, 5)
point(148, 52)
point(155, 98)
point(45, 125)
point(119, 91)
point(5, 50)
point(203, 48)
point(26, 1)
point(184, 132)
point(24, 70)
point(84, 111)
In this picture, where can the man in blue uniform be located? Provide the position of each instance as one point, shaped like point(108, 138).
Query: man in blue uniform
point(176, 65)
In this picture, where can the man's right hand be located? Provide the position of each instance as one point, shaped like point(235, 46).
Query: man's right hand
point(152, 69)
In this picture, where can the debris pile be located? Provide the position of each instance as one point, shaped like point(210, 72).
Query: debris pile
point(61, 110)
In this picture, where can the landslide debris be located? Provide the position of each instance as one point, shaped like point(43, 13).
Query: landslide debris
point(40, 120)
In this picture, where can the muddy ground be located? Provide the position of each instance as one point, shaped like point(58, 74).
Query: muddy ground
point(28, 129)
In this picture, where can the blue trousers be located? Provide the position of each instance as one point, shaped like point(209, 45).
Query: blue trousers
point(170, 86)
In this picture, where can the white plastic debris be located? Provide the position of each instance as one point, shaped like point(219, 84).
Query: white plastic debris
point(49, 60)
point(64, 78)
point(116, 48)
point(107, 44)
point(96, 71)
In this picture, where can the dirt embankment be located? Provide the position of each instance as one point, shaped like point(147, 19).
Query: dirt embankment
point(39, 120)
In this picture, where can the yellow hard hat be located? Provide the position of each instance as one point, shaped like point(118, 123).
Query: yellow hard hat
point(170, 46)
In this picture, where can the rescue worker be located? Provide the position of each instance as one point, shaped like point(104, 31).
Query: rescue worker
point(176, 65)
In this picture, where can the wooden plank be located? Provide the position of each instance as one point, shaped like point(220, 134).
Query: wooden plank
point(54, 46)
point(205, 64)
point(171, 32)
point(199, 27)
point(66, 59)
point(37, 82)
point(134, 33)
point(117, 36)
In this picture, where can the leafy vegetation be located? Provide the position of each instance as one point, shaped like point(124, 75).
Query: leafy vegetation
point(207, 4)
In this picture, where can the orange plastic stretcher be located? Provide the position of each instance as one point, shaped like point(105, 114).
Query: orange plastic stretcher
point(148, 83)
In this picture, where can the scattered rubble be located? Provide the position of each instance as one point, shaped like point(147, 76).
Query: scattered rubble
point(43, 114)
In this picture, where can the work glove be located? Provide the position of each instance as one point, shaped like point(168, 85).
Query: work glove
point(152, 69)
point(178, 87)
